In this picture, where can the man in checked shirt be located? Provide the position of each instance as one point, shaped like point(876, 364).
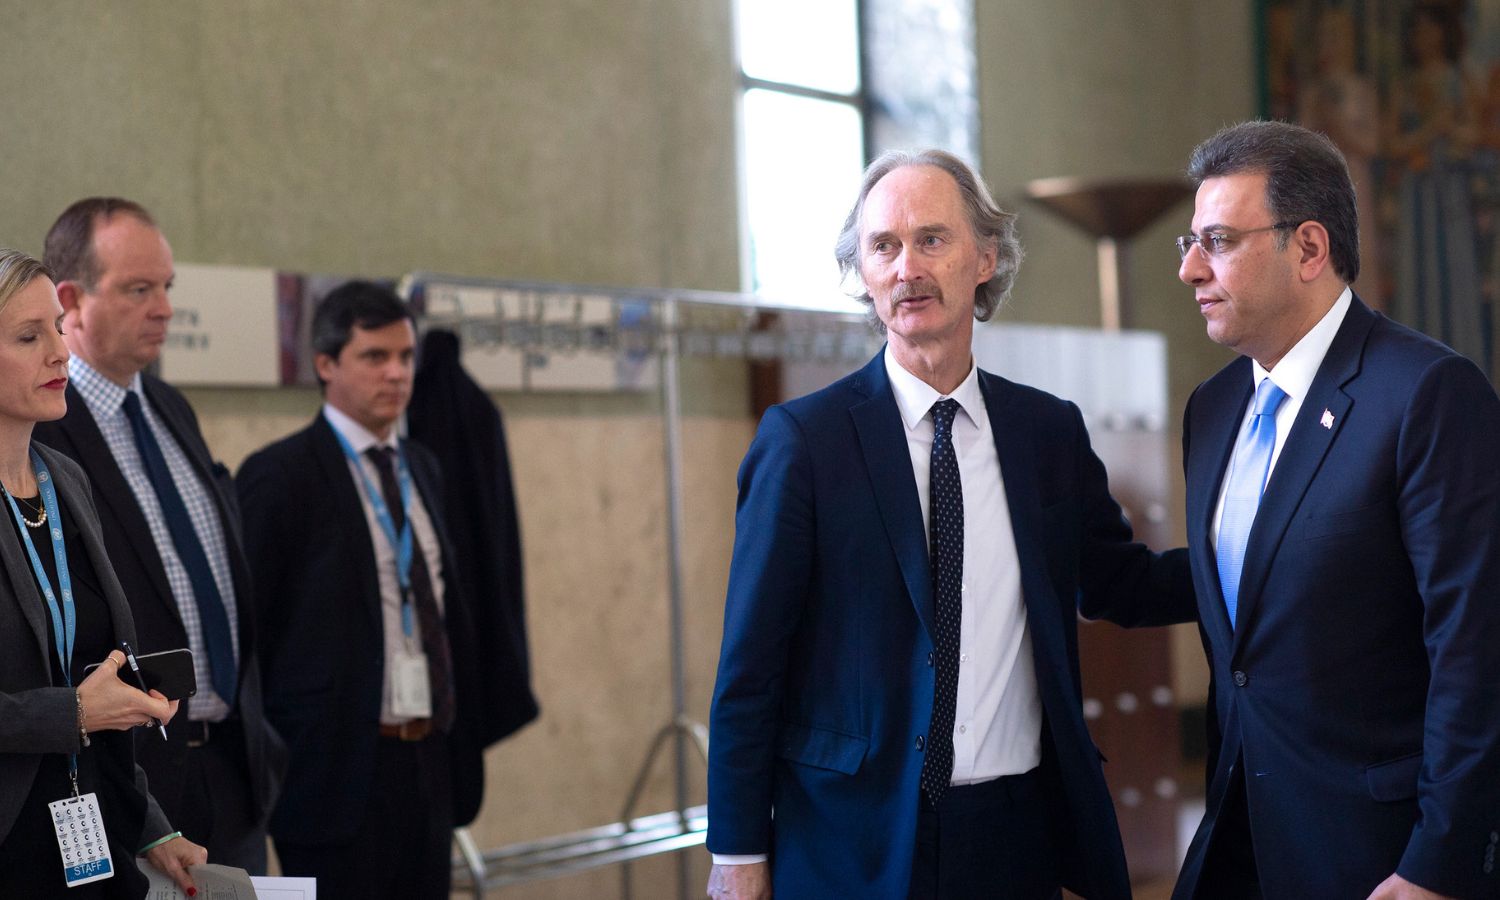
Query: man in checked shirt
point(171, 525)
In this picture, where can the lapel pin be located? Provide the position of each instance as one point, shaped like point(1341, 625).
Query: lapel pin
point(1327, 419)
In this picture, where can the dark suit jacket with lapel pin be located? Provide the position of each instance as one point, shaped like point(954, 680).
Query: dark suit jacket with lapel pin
point(1360, 688)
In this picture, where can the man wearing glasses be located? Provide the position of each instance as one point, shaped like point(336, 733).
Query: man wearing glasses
point(1343, 516)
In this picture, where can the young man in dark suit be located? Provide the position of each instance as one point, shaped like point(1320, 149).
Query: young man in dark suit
point(170, 525)
point(1343, 515)
point(897, 708)
point(368, 643)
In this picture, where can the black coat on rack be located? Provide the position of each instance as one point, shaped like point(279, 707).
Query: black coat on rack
point(453, 416)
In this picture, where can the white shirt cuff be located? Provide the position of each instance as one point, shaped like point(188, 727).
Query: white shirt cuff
point(738, 859)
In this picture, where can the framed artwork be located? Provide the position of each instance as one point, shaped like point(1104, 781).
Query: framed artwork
point(1410, 92)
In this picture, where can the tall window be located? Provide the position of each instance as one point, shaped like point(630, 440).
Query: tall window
point(922, 92)
point(802, 142)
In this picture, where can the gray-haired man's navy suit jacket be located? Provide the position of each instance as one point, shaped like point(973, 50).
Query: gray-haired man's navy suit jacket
point(824, 684)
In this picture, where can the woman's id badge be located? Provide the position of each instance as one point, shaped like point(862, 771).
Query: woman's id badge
point(80, 837)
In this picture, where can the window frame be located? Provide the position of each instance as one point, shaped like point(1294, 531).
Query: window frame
point(858, 100)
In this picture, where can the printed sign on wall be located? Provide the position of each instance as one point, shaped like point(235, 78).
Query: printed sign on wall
point(223, 328)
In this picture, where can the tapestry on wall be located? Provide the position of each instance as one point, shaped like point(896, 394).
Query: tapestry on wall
point(1410, 91)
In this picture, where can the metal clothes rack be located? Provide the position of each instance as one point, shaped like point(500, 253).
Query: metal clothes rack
point(642, 323)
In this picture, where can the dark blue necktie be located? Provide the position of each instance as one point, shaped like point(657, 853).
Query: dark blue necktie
point(946, 533)
point(217, 638)
point(1247, 479)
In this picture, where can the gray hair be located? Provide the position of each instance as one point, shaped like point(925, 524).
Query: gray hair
point(17, 270)
point(1307, 180)
point(993, 227)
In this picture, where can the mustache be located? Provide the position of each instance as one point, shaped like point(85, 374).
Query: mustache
point(922, 287)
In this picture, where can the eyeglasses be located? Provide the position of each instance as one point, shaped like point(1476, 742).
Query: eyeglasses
point(1214, 243)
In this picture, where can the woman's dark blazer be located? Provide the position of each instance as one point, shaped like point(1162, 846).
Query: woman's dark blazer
point(37, 716)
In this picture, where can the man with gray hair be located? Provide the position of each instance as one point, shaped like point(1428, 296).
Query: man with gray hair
point(897, 707)
point(1342, 508)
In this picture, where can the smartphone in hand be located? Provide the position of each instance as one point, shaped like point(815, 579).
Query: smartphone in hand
point(170, 671)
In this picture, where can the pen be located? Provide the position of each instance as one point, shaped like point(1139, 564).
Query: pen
point(139, 680)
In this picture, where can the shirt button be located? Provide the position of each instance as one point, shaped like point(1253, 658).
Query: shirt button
point(963, 729)
point(929, 657)
point(963, 657)
point(1240, 678)
point(921, 742)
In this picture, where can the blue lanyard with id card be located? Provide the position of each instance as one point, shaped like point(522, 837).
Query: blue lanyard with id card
point(408, 676)
point(76, 820)
point(400, 542)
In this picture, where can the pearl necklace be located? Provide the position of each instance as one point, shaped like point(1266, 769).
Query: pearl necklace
point(40, 510)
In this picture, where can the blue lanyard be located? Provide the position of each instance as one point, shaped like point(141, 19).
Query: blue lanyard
point(402, 542)
point(64, 620)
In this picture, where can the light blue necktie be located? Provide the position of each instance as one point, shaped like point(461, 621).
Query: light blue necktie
point(1247, 478)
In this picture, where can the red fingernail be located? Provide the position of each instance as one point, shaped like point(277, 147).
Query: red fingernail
point(192, 892)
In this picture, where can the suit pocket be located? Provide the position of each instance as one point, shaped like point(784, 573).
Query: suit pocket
point(1337, 523)
point(1394, 780)
point(821, 748)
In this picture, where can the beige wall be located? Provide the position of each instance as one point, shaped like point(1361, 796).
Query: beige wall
point(1105, 90)
point(1081, 88)
point(571, 140)
point(567, 140)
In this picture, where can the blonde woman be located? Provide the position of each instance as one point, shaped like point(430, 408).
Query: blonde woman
point(65, 743)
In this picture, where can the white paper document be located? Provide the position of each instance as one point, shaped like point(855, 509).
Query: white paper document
point(228, 883)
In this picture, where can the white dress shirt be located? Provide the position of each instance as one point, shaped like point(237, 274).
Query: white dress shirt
point(997, 726)
point(1294, 375)
point(360, 439)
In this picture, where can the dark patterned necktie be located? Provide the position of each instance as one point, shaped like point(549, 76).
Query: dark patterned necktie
point(946, 533)
point(429, 619)
point(213, 619)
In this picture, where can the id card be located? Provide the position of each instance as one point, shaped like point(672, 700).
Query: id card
point(411, 697)
point(80, 837)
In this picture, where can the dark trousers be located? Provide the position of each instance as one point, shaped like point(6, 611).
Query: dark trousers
point(1229, 871)
point(995, 839)
point(402, 849)
point(216, 808)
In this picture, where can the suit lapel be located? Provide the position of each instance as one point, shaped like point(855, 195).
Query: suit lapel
point(1304, 451)
point(190, 441)
point(181, 432)
point(1207, 467)
point(882, 440)
point(1015, 447)
point(90, 532)
point(23, 586)
point(113, 493)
